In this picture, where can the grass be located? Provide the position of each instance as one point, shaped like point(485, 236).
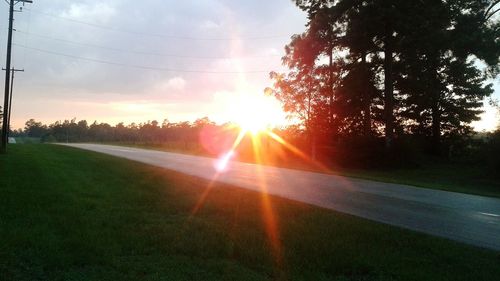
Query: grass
point(431, 174)
point(25, 140)
point(177, 147)
point(462, 178)
point(69, 214)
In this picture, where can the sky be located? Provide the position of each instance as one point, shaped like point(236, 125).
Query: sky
point(134, 61)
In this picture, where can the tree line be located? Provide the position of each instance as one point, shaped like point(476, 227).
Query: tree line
point(380, 73)
point(202, 136)
point(147, 132)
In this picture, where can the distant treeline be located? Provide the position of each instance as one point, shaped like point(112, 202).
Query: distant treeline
point(82, 131)
point(205, 137)
point(202, 136)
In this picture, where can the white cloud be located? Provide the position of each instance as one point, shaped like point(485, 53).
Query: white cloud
point(170, 87)
point(210, 25)
point(99, 12)
point(176, 83)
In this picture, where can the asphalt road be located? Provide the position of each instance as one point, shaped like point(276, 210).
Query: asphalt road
point(466, 218)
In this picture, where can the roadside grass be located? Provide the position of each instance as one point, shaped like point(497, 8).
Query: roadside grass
point(443, 176)
point(430, 174)
point(69, 214)
point(191, 148)
point(26, 140)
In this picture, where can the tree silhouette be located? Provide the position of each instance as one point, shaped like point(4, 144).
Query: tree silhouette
point(391, 68)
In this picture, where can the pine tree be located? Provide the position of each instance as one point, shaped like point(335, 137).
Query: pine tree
point(407, 67)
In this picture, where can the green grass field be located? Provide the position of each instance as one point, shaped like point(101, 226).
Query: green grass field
point(68, 214)
point(444, 176)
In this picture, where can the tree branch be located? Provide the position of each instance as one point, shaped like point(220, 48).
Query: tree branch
point(490, 15)
point(487, 14)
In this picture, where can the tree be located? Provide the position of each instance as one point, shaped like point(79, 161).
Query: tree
point(443, 88)
point(35, 129)
point(301, 97)
point(409, 64)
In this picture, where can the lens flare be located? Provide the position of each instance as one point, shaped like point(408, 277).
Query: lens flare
point(254, 113)
point(269, 217)
point(221, 163)
point(254, 116)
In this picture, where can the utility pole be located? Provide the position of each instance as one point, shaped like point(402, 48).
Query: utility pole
point(10, 96)
point(6, 111)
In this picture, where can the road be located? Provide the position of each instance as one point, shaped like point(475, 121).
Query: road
point(466, 218)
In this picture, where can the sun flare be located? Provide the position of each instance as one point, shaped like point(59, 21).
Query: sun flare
point(255, 113)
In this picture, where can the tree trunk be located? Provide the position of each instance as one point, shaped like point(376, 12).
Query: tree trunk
point(435, 111)
point(367, 122)
point(436, 127)
point(333, 127)
point(308, 121)
point(388, 89)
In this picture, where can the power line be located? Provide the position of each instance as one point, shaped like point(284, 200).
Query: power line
point(177, 37)
point(26, 37)
point(138, 52)
point(138, 66)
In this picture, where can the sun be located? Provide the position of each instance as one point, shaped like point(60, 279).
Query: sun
point(255, 113)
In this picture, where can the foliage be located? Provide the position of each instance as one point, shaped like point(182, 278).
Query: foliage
point(395, 69)
point(80, 131)
point(35, 129)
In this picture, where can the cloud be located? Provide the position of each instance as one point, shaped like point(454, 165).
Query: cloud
point(169, 89)
point(97, 12)
point(173, 84)
point(210, 25)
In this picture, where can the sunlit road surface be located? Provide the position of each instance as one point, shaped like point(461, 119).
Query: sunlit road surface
point(466, 218)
